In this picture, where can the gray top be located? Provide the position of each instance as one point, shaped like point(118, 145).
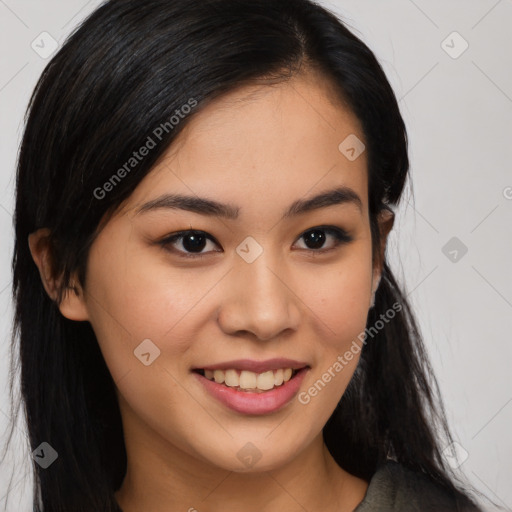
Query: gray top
point(395, 488)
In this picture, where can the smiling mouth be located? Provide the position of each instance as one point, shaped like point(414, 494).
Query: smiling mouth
point(244, 380)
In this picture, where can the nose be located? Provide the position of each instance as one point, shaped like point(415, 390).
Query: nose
point(259, 298)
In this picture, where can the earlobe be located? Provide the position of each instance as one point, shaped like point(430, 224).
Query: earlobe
point(38, 245)
point(386, 219)
point(72, 305)
point(374, 291)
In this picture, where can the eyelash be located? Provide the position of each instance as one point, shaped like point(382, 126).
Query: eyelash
point(340, 235)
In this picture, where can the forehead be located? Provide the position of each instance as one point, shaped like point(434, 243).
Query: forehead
point(263, 144)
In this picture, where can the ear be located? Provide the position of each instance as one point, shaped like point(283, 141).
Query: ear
point(386, 219)
point(72, 305)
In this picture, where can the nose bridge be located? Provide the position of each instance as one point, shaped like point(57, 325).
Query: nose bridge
point(260, 300)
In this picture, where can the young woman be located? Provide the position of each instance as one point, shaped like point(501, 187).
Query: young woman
point(205, 317)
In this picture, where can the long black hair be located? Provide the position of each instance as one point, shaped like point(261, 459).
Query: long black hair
point(120, 77)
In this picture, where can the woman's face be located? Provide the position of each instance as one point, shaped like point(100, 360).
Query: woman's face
point(267, 280)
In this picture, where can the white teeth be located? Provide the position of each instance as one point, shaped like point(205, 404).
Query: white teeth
point(245, 379)
point(278, 377)
point(231, 379)
point(265, 381)
point(218, 375)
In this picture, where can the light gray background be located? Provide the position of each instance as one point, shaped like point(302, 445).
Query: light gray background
point(458, 113)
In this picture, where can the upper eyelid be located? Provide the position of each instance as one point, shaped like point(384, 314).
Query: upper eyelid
point(184, 232)
point(181, 234)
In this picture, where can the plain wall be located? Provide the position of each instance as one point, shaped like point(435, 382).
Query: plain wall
point(458, 112)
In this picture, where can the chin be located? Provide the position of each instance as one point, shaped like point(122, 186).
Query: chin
point(254, 457)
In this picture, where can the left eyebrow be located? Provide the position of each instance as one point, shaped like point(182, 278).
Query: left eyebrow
point(209, 207)
point(339, 195)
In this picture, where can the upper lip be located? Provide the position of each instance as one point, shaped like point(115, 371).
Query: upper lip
point(256, 366)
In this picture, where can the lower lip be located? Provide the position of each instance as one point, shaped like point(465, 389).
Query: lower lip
point(254, 403)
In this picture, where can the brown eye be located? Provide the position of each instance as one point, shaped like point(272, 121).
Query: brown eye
point(315, 238)
point(193, 242)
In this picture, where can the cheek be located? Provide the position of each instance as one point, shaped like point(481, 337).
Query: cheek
point(141, 293)
point(340, 299)
point(131, 298)
point(341, 303)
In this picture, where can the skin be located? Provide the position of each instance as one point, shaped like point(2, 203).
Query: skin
point(259, 148)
